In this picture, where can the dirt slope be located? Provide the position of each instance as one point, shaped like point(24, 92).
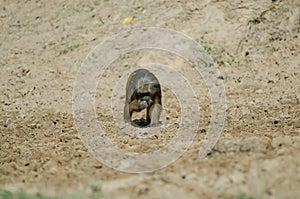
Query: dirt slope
point(256, 46)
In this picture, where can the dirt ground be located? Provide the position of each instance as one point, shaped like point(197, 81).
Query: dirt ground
point(256, 45)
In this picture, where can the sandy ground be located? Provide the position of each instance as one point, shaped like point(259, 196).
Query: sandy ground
point(255, 45)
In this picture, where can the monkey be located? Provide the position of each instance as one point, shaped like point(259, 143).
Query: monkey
point(143, 91)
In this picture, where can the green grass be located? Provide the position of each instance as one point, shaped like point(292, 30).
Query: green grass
point(69, 49)
point(242, 196)
point(4, 194)
point(9, 195)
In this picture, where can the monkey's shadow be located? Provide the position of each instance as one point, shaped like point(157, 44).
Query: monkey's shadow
point(142, 123)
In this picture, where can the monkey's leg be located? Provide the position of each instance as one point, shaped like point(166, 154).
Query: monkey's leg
point(154, 114)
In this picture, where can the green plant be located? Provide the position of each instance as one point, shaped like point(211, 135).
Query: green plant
point(242, 196)
point(9, 195)
point(4, 194)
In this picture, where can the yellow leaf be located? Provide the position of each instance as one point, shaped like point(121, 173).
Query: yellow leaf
point(127, 20)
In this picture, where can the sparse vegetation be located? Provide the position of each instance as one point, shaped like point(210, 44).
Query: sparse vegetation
point(243, 196)
point(5, 194)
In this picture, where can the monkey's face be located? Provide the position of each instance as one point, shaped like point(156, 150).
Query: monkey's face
point(146, 93)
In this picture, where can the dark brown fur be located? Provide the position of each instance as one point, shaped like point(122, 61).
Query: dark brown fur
point(143, 92)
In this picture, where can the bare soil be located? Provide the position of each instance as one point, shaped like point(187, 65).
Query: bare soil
point(256, 46)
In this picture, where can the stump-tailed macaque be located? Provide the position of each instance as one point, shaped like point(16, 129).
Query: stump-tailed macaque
point(143, 92)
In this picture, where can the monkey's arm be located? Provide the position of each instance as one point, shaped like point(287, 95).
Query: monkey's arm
point(155, 112)
point(127, 115)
